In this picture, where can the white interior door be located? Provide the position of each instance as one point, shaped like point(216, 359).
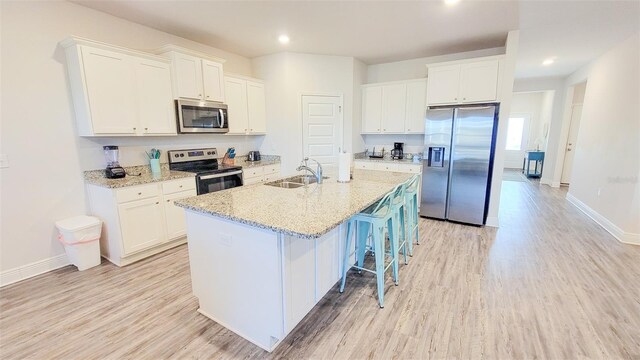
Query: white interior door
point(322, 129)
point(569, 151)
point(517, 140)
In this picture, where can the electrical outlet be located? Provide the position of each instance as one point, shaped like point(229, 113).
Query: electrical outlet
point(4, 161)
point(226, 239)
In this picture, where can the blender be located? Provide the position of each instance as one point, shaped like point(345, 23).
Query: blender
point(113, 170)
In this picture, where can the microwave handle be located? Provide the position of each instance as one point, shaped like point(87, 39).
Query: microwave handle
point(222, 117)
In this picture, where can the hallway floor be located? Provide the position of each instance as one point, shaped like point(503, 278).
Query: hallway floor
point(549, 283)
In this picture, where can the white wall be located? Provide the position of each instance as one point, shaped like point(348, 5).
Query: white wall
point(287, 76)
point(44, 182)
point(606, 165)
point(416, 68)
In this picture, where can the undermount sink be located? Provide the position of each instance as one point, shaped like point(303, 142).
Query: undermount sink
point(294, 181)
point(285, 184)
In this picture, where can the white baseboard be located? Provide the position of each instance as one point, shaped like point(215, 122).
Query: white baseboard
point(30, 270)
point(492, 221)
point(613, 229)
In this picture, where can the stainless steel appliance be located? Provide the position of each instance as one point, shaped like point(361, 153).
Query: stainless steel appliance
point(459, 144)
point(113, 170)
point(253, 156)
point(201, 117)
point(210, 175)
point(398, 151)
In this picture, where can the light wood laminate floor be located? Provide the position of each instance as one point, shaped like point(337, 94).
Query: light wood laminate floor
point(549, 283)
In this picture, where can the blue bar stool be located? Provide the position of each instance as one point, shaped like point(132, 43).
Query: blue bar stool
point(411, 204)
point(374, 219)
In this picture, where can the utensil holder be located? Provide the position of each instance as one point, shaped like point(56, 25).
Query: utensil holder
point(155, 165)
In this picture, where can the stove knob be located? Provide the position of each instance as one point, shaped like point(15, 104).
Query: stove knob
point(176, 155)
point(181, 155)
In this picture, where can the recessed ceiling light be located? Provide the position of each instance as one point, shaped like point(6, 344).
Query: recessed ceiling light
point(451, 2)
point(284, 39)
point(549, 61)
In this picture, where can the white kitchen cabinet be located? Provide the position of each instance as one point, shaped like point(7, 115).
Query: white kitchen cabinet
point(460, 82)
point(394, 108)
point(256, 107)
point(196, 76)
point(236, 92)
point(213, 80)
point(117, 91)
point(416, 106)
point(141, 223)
point(479, 81)
point(155, 105)
point(246, 105)
point(372, 109)
point(110, 92)
point(140, 220)
point(175, 220)
point(260, 174)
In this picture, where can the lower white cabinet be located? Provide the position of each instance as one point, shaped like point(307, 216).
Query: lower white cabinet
point(141, 220)
point(260, 174)
point(397, 167)
point(141, 223)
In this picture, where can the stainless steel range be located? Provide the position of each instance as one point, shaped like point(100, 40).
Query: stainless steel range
point(211, 176)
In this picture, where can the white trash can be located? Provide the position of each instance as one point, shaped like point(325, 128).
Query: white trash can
point(80, 236)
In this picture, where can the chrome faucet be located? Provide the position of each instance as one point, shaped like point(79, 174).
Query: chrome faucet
point(317, 173)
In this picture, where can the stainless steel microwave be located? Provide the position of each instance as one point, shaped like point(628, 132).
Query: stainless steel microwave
point(201, 117)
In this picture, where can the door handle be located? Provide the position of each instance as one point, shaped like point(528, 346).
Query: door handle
point(222, 117)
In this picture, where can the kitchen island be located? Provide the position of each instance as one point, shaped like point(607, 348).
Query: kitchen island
point(262, 256)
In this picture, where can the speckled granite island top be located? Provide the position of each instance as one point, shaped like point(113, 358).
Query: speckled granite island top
point(307, 212)
point(96, 177)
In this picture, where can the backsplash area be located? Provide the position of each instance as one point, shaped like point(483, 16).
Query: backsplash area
point(132, 149)
point(413, 143)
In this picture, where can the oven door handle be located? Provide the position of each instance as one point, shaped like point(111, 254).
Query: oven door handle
point(222, 117)
point(207, 177)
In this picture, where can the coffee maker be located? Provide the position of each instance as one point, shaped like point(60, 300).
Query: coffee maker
point(397, 152)
point(113, 170)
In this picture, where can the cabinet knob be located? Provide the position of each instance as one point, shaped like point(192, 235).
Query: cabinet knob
point(378, 129)
point(464, 98)
point(139, 193)
point(408, 129)
point(384, 129)
point(157, 202)
point(208, 96)
point(199, 95)
point(251, 129)
point(455, 98)
point(180, 186)
point(146, 128)
point(134, 128)
point(167, 201)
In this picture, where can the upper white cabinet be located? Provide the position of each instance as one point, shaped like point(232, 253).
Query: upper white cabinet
point(459, 82)
point(117, 91)
point(245, 100)
point(195, 76)
point(394, 108)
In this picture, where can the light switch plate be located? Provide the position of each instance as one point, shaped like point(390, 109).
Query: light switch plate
point(4, 161)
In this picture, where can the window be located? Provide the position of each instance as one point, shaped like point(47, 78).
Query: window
point(515, 130)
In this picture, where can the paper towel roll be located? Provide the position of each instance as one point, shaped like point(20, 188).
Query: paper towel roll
point(344, 167)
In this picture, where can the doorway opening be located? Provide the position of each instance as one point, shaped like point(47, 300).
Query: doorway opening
point(572, 135)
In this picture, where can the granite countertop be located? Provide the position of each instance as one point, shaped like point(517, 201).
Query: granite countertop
point(96, 177)
point(386, 159)
point(307, 212)
point(264, 161)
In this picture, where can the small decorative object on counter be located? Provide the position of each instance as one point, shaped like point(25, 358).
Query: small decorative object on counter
point(230, 157)
point(375, 155)
point(154, 160)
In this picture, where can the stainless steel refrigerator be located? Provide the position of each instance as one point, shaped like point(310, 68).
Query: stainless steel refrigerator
point(459, 144)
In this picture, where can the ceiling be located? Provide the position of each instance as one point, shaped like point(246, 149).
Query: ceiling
point(384, 31)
